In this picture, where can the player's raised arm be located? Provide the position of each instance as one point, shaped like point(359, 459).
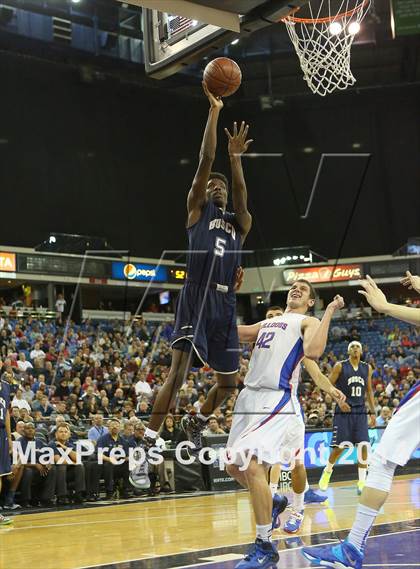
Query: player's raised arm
point(335, 373)
point(322, 381)
point(237, 145)
point(248, 334)
point(377, 299)
point(315, 333)
point(197, 193)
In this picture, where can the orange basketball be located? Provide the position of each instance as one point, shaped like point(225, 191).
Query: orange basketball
point(223, 76)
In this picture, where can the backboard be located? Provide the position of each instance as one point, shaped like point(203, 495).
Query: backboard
point(178, 33)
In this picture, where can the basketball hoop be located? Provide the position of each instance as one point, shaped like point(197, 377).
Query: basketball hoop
point(323, 41)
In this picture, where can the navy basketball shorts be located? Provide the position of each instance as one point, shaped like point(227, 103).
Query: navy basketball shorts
point(206, 322)
point(5, 457)
point(350, 427)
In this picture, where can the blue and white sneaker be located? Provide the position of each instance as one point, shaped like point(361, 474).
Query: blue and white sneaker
point(312, 497)
point(341, 556)
point(261, 555)
point(294, 522)
point(279, 505)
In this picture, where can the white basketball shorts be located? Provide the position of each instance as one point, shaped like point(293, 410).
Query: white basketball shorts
point(402, 435)
point(267, 423)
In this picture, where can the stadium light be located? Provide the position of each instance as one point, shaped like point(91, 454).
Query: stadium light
point(52, 239)
point(354, 28)
point(276, 262)
point(335, 28)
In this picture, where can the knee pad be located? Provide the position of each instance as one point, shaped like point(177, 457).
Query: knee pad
point(381, 474)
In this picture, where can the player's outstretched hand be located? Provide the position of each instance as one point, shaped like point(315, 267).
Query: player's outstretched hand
point(338, 396)
point(239, 279)
point(215, 102)
point(238, 143)
point(337, 303)
point(412, 281)
point(345, 407)
point(373, 294)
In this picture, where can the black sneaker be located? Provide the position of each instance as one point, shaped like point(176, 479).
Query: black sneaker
point(47, 504)
point(193, 427)
point(62, 501)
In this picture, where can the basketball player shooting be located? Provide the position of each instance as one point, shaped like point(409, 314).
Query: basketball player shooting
point(205, 327)
point(399, 441)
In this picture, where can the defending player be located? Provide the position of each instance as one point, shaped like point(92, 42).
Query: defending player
point(302, 494)
point(399, 441)
point(5, 439)
point(354, 378)
point(205, 327)
point(268, 417)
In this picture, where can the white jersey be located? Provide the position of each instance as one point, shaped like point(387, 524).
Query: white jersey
point(278, 351)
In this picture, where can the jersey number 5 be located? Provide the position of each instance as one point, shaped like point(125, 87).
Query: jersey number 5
point(219, 248)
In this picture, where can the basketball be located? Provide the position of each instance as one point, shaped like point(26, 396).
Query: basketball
point(223, 76)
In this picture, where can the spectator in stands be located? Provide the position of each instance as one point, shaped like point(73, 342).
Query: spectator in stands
point(72, 470)
point(60, 306)
point(112, 471)
point(118, 399)
point(60, 410)
point(213, 427)
point(19, 401)
point(143, 410)
point(19, 430)
point(384, 417)
point(23, 364)
point(37, 486)
point(169, 432)
point(142, 388)
point(28, 394)
point(37, 353)
point(127, 432)
point(228, 422)
point(98, 429)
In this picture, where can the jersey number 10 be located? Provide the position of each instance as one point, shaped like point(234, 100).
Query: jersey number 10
point(356, 391)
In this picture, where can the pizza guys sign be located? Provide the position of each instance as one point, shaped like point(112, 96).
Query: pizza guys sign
point(324, 274)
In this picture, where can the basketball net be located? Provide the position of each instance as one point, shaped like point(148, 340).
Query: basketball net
point(323, 42)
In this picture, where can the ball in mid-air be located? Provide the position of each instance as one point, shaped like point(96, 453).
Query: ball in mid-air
point(222, 76)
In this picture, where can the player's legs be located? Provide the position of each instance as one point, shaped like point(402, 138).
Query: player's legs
point(256, 479)
point(297, 508)
point(263, 552)
point(398, 442)
point(14, 481)
point(180, 366)
point(363, 455)
point(3, 521)
point(225, 386)
point(328, 470)
point(274, 478)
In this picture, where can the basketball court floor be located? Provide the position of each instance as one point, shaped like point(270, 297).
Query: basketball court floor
point(210, 531)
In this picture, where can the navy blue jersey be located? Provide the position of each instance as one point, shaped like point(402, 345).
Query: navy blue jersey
point(217, 233)
point(4, 401)
point(353, 382)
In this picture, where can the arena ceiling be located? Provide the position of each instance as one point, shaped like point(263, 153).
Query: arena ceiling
point(270, 65)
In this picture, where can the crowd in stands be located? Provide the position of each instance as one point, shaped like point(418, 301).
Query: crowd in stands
point(98, 381)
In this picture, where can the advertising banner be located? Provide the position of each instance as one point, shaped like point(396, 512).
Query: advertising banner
point(139, 272)
point(324, 274)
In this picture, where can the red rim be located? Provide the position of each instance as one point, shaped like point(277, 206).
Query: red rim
point(326, 19)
